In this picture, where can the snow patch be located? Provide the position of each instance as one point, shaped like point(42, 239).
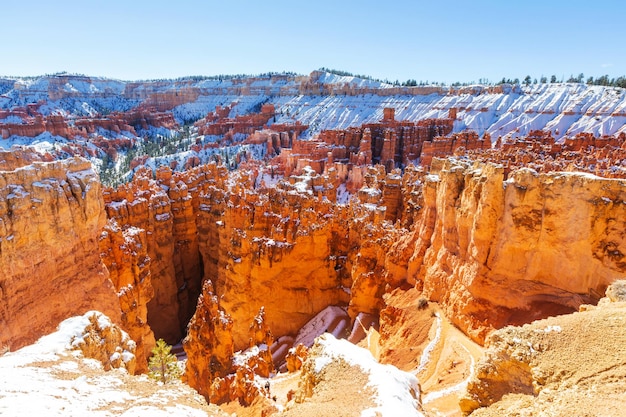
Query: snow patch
point(31, 386)
point(551, 329)
point(396, 392)
point(425, 359)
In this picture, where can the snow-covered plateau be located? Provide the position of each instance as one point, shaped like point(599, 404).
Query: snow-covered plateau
point(563, 108)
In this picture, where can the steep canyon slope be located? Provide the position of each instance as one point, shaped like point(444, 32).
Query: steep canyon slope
point(509, 251)
point(490, 250)
point(50, 268)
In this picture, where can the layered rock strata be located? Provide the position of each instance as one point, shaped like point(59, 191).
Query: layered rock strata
point(389, 143)
point(166, 215)
point(208, 345)
point(51, 215)
point(603, 156)
point(495, 252)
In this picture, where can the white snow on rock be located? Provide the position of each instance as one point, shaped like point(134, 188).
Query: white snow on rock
point(50, 379)
point(563, 108)
point(396, 391)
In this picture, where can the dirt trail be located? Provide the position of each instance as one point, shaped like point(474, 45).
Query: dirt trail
point(445, 367)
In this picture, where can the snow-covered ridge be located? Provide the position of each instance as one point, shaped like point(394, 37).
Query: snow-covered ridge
point(324, 100)
point(564, 109)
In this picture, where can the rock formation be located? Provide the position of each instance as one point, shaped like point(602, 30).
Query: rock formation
point(218, 122)
point(106, 342)
point(567, 365)
point(340, 224)
point(296, 357)
point(145, 205)
point(209, 347)
point(602, 156)
point(35, 124)
point(124, 252)
point(497, 252)
point(18, 157)
point(285, 265)
point(443, 146)
point(339, 378)
point(51, 214)
point(390, 143)
point(167, 206)
point(57, 375)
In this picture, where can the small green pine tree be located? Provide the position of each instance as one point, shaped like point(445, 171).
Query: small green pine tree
point(163, 364)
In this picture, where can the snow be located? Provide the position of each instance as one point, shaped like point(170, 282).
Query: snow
point(162, 217)
point(268, 242)
point(343, 195)
point(265, 179)
point(555, 329)
point(461, 386)
point(425, 359)
point(396, 392)
point(12, 120)
point(45, 379)
point(372, 192)
point(42, 143)
point(241, 358)
point(513, 113)
point(565, 109)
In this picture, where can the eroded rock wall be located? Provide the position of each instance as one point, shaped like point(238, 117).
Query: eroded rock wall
point(496, 252)
point(165, 205)
point(51, 215)
point(271, 250)
point(124, 252)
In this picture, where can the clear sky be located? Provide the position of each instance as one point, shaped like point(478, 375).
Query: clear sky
point(443, 41)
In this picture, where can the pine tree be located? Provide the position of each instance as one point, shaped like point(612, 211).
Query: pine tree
point(163, 364)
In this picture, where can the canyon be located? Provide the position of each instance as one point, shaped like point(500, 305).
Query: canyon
point(387, 232)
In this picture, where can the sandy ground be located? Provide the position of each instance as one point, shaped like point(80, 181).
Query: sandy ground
point(341, 393)
point(577, 363)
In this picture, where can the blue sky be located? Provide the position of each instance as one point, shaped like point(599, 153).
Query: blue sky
point(396, 40)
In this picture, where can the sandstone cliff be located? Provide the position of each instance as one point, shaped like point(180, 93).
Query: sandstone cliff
point(291, 250)
point(166, 206)
point(209, 344)
point(51, 215)
point(497, 252)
